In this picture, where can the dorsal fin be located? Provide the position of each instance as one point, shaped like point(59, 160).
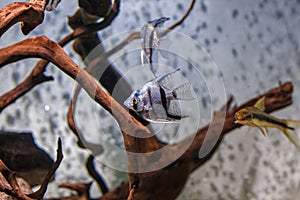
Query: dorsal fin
point(166, 76)
point(260, 104)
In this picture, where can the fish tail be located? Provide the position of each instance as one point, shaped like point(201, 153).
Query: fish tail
point(290, 132)
point(291, 135)
point(292, 123)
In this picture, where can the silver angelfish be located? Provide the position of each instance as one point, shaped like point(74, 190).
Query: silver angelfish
point(154, 101)
point(150, 41)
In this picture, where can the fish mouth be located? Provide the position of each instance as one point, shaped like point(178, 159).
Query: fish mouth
point(238, 119)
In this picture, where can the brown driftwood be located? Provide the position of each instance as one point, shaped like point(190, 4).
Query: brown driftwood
point(30, 14)
point(96, 176)
point(111, 76)
point(42, 47)
point(164, 183)
point(39, 194)
point(172, 178)
point(37, 75)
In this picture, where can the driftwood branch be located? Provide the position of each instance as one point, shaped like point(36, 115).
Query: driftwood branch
point(82, 190)
point(275, 99)
point(30, 14)
point(96, 176)
point(94, 65)
point(181, 20)
point(42, 47)
point(37, 75)
point(20, 154)
point(92, 69)
point(39, 194)
point(13, 188)
point(173, 178)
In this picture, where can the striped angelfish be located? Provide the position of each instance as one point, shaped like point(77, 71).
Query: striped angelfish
point(154, 101)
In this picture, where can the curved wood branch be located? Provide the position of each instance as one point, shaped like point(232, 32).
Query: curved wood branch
point(38, 70)
point(36, 77)
point(42, 47)
point(181, 20)
point(82, 190)
point(138, 145)
point(29, 14)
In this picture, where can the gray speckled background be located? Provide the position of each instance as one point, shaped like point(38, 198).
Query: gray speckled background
point(254, 43)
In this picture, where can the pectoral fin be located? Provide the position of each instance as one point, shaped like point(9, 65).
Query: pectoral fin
point(267, 130)
point(264, 132)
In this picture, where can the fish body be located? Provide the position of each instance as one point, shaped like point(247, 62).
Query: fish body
point(254, 116)
point(153, 101)
point(150, 41)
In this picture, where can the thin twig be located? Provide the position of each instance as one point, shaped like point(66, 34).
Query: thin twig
point(187, 13)
point(30, 82)
point(132, 190)
point(10, 176)
point(39, 194)
point(97, 177)
point(81, 189)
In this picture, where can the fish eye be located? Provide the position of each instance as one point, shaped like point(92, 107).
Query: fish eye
point(248, 117)
point(135, 102)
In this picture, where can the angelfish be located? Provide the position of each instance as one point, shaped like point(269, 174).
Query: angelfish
point(254, 116)
point(153, 101)
point(150, 41)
